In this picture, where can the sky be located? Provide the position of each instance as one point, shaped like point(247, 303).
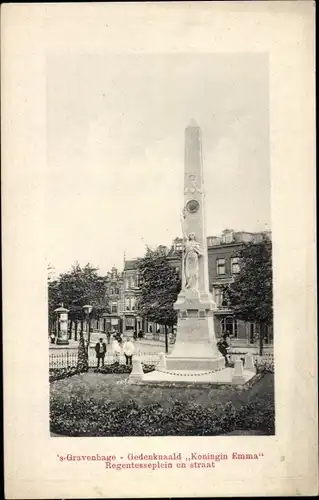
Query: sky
point(115, 150)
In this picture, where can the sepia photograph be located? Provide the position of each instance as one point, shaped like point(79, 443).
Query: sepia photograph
point(159, 249)
point(159, 245)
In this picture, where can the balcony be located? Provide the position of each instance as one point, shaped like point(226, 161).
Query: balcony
point(223, 310)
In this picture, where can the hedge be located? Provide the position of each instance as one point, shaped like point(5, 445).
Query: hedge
point(100, 418)
point(115, 368)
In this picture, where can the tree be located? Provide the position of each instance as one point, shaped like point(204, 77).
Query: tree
point(83, 362)
point(159, 288)
point(250, 295)
point(76, 288)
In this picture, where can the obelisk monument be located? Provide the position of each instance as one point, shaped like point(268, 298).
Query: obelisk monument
point(195, 347)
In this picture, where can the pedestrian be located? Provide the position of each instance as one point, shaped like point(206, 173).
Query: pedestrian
point(135, 335)
point(108, 336)
point(128, 349)
point(227, 338)
point(116, 350)
point(223, 345)
point(100, 349)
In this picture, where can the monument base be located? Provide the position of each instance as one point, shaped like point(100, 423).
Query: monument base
point(195, 364)
point(221, 377)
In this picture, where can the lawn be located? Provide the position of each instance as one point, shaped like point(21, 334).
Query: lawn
point(94, 404)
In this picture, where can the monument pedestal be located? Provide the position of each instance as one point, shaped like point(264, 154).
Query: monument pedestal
point(195, 347)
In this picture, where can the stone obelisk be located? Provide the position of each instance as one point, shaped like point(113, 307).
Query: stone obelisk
point(195, 347)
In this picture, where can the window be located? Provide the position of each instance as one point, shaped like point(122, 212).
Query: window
point(235, 269)
point(127, 305)
point(229, 325)
point(221, 269)
point(114, 307)
point(178, 245)
point(129, 323)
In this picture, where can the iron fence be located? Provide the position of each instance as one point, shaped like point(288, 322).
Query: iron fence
point(69, 358)
point(266, 356)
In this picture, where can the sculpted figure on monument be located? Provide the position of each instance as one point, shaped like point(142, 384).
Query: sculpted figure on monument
point(192, 252)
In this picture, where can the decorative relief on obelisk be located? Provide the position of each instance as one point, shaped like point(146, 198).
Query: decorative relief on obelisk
point(192, 186)
point(192, 206)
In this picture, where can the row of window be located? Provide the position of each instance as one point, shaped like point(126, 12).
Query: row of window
point(129, 305)
point(229, 325)
point(221, 266)
point(130, 282)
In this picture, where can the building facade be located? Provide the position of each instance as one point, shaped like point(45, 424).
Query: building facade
point(223, 266)
point(112, 321)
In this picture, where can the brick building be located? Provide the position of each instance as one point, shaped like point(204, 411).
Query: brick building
point(112, 320)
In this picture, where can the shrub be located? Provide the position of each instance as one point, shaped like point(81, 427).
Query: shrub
point(257, 416)
point(83, 364)
point(118, 369)
point(104, 418)
point(265, 366)
point(60, 373)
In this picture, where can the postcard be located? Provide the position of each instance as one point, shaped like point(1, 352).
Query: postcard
point(159, 249)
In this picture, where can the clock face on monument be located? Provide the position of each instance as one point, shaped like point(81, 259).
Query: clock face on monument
point(192, 206)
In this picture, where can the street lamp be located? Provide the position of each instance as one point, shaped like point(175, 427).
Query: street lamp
point(87, 311)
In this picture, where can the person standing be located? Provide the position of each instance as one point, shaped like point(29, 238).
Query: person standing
point(100, 349)
point(128, 349)
point(223, 345)
point(116, 348)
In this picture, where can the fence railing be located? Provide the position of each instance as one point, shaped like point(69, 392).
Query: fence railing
point(267, 356)
point(69, 358)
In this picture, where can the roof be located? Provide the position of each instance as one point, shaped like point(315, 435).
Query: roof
point(130, 265)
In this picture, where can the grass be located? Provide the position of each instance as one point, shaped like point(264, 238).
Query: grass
point(105, 387)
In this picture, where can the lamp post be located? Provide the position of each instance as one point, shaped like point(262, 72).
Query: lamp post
point(87, 311)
